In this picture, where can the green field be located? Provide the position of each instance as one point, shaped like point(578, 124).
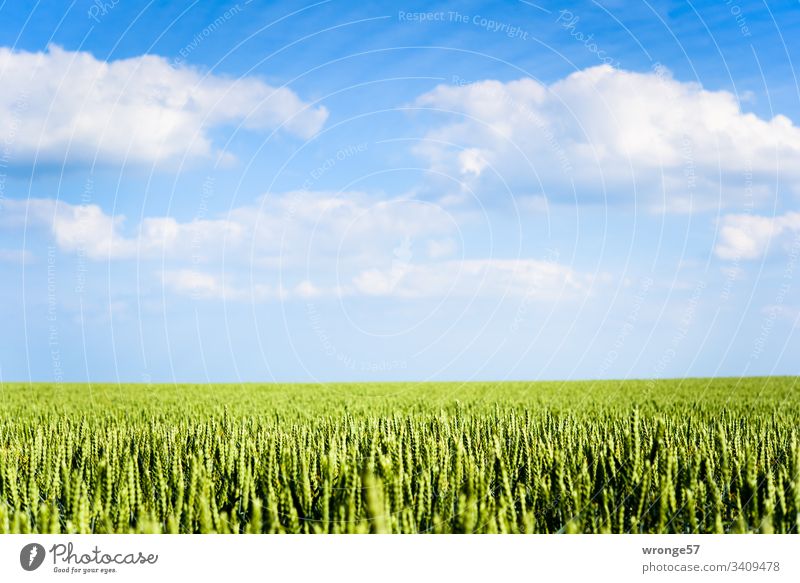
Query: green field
point(693, 455)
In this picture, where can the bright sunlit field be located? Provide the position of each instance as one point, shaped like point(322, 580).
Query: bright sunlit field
point(672, 456)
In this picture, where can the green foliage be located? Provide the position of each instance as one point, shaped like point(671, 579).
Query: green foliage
point(672, 456)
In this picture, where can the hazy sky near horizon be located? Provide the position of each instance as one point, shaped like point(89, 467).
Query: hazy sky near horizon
point(329, 191)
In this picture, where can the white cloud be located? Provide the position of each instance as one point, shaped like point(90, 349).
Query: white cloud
point(471, 161)
point(346, 228)
point(61, 106)
point(84, 228)
point(306, 289)
point(289, 230)
point(201, 285)
point(602, 134)
point(744, 236)
point(351, 244)
point(533, 279)
point(88, 230)
point(439, 248)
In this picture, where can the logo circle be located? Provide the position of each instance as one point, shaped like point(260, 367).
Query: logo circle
point(31, 556)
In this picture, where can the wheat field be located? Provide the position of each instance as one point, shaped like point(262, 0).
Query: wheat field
point(674, 456)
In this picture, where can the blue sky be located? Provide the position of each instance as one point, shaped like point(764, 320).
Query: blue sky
point(398, 191)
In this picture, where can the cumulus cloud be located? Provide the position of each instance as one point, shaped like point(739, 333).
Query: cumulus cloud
point(471, 161)
point(351, 244)
point(288, 229)
point(529, 278)
point(206, 286)
point(603, 134)
point(346, 228)
point(745, 236)
point(439, 248)
point(88, 230)
point(59, 106)
point(533, 280)
point(202, 285)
